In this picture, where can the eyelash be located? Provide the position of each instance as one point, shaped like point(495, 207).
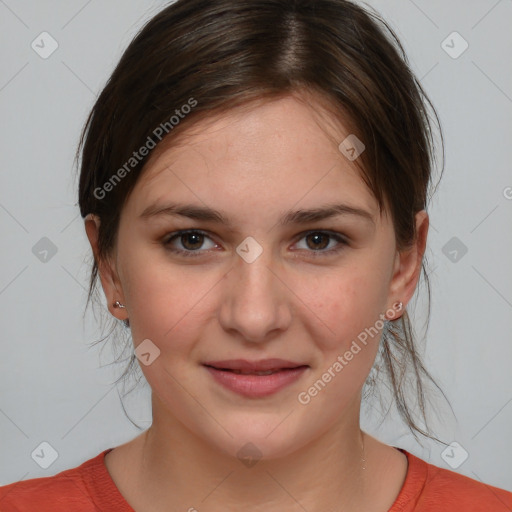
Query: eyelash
point(192, 254)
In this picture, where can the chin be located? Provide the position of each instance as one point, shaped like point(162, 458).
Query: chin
point(254, 440)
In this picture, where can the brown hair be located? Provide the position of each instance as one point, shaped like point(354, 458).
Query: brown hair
point(215, 55)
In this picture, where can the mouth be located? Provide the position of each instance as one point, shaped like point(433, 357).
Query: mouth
point(245, 372)
point(255, 379)
point(261, 367)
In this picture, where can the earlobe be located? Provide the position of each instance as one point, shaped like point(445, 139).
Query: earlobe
point(408, 263)
point(107, 272)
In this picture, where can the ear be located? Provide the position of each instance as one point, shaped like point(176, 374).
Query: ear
point(408, 265)
point(106, 270)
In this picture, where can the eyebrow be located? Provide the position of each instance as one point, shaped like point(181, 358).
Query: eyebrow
point(302, 216)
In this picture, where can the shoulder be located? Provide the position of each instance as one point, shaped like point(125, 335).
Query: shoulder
point(67, 490)
point(428, 488)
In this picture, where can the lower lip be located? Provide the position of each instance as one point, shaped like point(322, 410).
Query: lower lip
point(257, 386)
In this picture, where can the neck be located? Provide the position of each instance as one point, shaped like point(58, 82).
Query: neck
point(181, 468)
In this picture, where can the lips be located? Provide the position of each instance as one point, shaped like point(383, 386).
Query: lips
point(262, 367)
point(255, 379)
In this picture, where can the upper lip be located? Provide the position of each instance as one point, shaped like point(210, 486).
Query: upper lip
point(256, 366)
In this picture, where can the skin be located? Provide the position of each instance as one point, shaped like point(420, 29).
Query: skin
point(254, 165)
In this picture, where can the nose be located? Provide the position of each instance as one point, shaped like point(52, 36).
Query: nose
point(255, 302)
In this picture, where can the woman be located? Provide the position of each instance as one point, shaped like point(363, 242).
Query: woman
point(254, 185)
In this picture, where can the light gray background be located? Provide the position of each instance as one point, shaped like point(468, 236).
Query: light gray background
point(53, 387)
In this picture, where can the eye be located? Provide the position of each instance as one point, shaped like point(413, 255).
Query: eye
point(318, 241)
point(191, 240)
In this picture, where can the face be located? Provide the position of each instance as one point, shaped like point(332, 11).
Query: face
point(264, 283)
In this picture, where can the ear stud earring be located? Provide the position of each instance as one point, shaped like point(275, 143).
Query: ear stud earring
point(117, 304)
point(391, 313)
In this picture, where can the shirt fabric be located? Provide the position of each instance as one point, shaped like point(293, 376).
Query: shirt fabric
point(90, 488)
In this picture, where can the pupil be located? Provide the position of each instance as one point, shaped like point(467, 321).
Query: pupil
point(318, 236)
point(191, 236)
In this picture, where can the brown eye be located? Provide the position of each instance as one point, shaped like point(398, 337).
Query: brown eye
point(317, 240)
point(323, 243)
point(188, 243)
point(192, 241)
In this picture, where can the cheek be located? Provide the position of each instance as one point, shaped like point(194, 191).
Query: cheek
point(161, 301)
point(342, 306)
point(350, 306)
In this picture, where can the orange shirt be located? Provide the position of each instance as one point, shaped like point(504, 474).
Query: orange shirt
point(89, 488)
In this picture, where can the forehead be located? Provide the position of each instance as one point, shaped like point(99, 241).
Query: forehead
point(284, 151)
